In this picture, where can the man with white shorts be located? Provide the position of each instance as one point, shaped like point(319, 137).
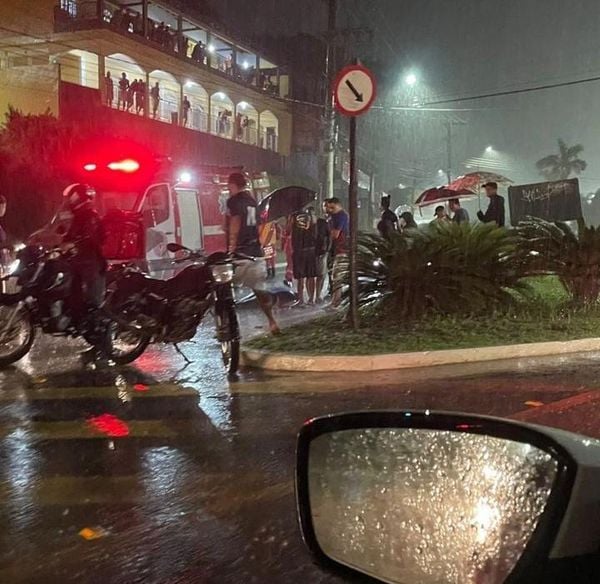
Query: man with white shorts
point(242, 238)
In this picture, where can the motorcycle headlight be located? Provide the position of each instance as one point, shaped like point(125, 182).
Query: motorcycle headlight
point(222, 273)
point(13, 267)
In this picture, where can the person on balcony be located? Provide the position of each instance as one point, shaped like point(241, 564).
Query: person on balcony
point(140, 97)
point(131, 93)
point(186, 106)
point(155, 96)
point(123, 91)
point(109, 89)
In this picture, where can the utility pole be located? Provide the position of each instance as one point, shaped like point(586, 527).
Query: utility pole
point(329, 107)
point(449, 150)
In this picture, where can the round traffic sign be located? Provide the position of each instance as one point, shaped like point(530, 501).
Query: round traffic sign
point(354, 90)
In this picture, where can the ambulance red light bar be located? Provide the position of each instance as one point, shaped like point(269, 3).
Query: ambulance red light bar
point(127, 165)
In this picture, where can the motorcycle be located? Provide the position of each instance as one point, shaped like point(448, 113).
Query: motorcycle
point(44, 299)
point(170, 311)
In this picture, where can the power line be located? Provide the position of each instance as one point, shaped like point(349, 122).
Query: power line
point(515, 91)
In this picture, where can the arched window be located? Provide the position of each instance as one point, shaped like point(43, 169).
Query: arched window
point(269, 131)
point(222, 115)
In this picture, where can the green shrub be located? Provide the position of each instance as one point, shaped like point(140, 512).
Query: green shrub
point(573, 257)
point(449, 268)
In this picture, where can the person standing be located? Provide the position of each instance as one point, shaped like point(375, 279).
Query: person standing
point(123, 91)
point(388, 223)
point(339, 225)
point(140, 96)
point(406, 222)
point(440, 215)
point(495, 212)
point(186, 106)
point(155, 96)
point(131, 93)
point(304, 244)
point(242, 238)
point(323, 250)
point(109, 89)
point(460, 215)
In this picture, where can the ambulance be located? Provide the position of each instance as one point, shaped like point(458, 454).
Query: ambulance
point(148, 202)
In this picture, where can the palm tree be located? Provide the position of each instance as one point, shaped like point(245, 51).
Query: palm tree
point(564, 164)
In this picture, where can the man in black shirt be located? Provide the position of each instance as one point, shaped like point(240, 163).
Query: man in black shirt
point(86, 237)
point(242, 238)
point(495, 211)
point(389, 221)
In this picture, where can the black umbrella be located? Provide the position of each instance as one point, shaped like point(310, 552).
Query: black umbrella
point(283, 202)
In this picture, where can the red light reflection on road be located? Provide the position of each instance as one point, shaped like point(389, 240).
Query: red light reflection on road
point(109, 425)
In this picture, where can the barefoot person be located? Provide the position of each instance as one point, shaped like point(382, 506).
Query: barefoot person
point(242, 238)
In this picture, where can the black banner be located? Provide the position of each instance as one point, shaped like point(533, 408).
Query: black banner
point(551, 201)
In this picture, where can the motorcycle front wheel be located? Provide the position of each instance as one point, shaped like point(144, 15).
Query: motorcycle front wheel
point(17, 333)
point(228, 333)
point(127, 344)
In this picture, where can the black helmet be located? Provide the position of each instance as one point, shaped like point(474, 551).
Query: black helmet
point(78, 195)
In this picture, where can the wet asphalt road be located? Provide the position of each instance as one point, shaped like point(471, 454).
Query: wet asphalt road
point(201, 488)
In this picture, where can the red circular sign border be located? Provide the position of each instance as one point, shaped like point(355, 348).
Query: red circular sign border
point(337, 82)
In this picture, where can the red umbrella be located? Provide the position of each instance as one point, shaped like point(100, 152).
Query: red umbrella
point(474, 180)
point(439, 195)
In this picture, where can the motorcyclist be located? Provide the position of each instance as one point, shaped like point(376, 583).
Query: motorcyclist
point(85, 238)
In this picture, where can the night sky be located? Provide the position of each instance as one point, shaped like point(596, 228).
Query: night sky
point(465, 48)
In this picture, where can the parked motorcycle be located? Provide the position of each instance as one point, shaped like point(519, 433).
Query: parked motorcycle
point(44, 300)
point(170, 311)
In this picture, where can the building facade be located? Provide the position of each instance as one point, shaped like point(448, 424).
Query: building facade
point(136, 68)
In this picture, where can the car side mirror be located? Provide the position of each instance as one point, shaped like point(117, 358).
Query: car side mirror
point(176, 248)
point(438, 498)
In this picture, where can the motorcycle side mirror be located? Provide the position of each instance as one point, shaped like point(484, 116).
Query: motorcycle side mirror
point(424, 498)
point(176, 248)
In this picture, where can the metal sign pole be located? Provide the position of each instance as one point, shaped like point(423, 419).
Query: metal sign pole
point(353, 210)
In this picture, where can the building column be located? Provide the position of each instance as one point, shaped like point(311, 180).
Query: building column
point(180, 112)
point(209, 126)
point(145, 18)
point(101, 81)
point(180, 36)
point(147, 104)
point(258, 131)
point(208, 53)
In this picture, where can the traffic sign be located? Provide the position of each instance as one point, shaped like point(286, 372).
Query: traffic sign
point(354, 90)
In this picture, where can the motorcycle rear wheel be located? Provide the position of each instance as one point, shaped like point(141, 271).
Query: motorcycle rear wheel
point(230, 345)
point(17, 334)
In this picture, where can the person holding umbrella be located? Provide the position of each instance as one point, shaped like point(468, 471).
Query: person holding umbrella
point(460, 215)
point(495, 212)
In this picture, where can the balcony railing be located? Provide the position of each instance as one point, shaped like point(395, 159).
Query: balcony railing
point(133, 20)
point(239, 128)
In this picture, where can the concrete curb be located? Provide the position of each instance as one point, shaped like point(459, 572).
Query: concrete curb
point(290, 362)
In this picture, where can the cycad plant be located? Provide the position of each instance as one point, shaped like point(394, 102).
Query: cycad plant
point(447, 268)
point(573, 257)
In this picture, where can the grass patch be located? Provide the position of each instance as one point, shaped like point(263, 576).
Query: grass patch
point(546, 317)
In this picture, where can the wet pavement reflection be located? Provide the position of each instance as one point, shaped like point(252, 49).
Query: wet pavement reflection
point(182, 477)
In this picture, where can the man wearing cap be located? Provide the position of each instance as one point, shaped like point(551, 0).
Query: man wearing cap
point(495, 210)
point(242, 238)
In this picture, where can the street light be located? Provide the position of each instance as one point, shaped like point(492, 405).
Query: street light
point(489, 149)
point(410, 79)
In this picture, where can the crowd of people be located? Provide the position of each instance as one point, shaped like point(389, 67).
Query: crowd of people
point(197, 51)
point(315, 247)
point(495, 213)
